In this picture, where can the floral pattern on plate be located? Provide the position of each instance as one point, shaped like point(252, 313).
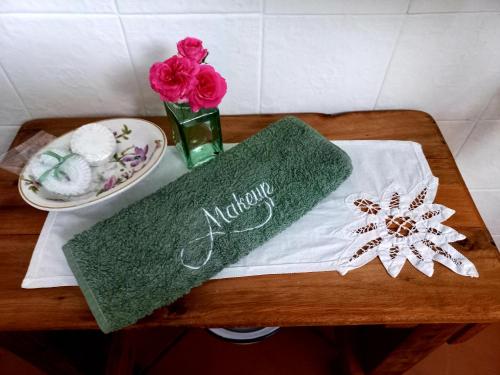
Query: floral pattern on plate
point(140, 146)
point(131, 160)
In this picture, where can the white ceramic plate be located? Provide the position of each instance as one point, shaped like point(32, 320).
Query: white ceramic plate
point(140, 147)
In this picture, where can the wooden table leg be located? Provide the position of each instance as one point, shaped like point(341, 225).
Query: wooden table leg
point(127, 355)
point(171, 341)
point(121, 359)
point(466, 333)
point(416, 346)
point(349, 361)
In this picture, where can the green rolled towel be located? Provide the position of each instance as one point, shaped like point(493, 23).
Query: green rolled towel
point(154, 251)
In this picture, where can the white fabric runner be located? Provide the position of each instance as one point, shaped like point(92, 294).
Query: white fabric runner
point(310, 244)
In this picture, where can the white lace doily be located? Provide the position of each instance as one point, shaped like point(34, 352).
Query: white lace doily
point(402, 225)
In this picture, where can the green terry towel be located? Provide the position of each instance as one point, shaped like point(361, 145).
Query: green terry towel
point(154, 251)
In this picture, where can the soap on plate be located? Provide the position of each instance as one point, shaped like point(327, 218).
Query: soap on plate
point(72, 177)
point(94, 142)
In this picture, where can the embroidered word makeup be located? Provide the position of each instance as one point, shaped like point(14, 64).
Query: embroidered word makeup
point(216, 219)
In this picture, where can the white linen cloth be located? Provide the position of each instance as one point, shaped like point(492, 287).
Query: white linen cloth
point(316, 242)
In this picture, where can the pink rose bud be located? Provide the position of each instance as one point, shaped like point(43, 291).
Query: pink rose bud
point(209, 90)
point(174, 78)
point(192, 48)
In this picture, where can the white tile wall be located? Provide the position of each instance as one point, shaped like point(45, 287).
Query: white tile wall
point(436, 6)
point(488, 202)
point(445, 64)
point(492, 111)
point(69, 65)
point(479, 162)
point(189, 6)
point(7, 134)
point(497, 241)
point(455, 133)
point(49, 6)
point(336, 7)
point(235, 54)
point(479, 158)
point(328, 64)
point(91, 57)
point(12, 110)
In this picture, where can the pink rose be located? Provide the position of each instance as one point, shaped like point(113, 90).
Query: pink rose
point(209, 90)
point(192, 48)
point(174, 78)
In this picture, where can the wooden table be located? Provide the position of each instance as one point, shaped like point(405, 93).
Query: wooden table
point(445, 307)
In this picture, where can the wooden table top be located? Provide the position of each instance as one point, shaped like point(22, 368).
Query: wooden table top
point(364, 296)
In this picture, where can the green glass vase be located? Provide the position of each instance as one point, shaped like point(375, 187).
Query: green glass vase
point(197, 135)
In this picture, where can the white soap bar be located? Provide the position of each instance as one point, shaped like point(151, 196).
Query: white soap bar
point(94, 142)
point(74, 175)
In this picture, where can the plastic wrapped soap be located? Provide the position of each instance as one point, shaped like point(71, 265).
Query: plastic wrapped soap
point(61, 172)
point(94, 142)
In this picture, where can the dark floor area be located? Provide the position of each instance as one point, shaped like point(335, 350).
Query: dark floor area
point(289, 351)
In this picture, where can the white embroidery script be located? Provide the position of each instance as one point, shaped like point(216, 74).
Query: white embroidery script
point(218, 217)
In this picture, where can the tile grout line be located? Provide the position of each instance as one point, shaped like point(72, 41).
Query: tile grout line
point(328, 14)
point(408, 7)
point(455, 12)
point(107, 14)
point(261, 57)
point(476, 121)
point(403, 13)
point(389, 63)
point(16, 91)
point(213, 13)
point(116, 8)
point(134, 70)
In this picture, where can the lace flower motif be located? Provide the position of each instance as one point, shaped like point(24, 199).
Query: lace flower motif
point(401, 226)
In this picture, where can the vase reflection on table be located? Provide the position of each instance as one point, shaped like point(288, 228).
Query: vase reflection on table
point(191, 91)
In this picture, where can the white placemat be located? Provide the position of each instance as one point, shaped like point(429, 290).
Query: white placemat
point(316, 242)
